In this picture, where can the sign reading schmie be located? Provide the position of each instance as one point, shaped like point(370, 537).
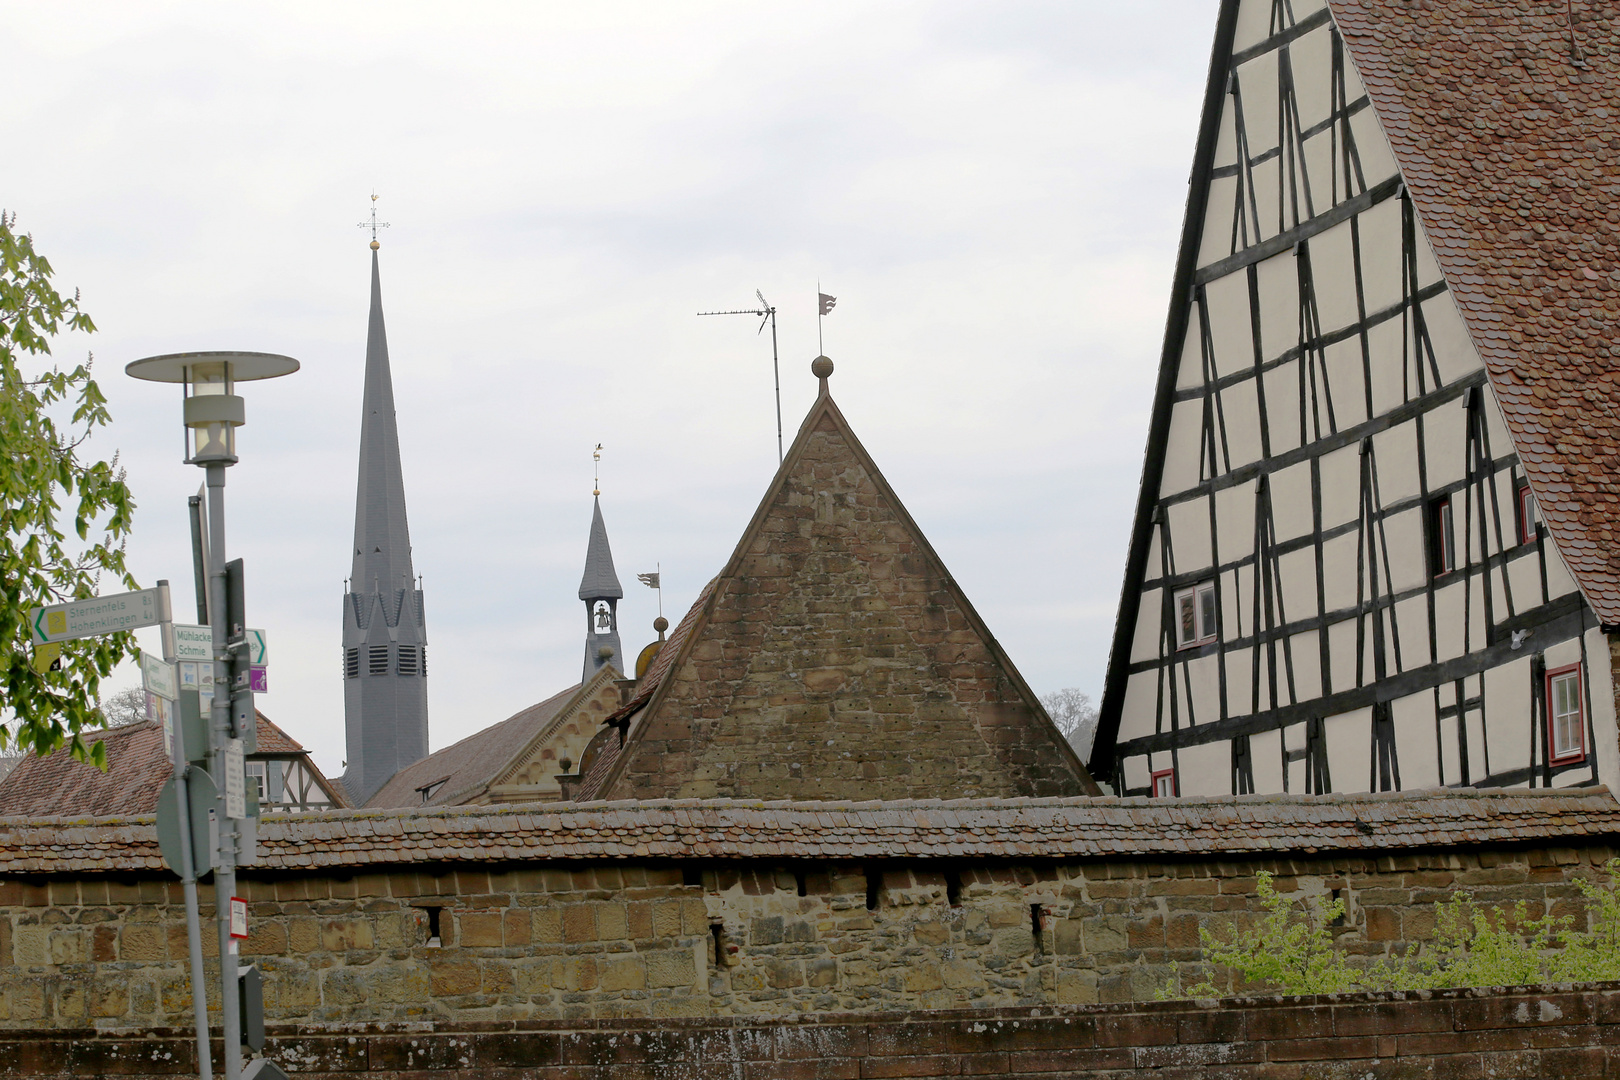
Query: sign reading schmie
point(98, 615)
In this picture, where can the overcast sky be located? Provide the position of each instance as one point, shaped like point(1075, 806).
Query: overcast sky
point(992, 190)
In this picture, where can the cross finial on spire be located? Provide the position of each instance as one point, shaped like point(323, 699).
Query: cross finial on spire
point(596, 470)
point(374, 224)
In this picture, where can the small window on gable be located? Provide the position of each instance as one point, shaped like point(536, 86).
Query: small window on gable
point(1442, 538)
point(1163, 784)
point(1566, 718)
point(1195, 615)
point(1526, 508)
point(429, 790)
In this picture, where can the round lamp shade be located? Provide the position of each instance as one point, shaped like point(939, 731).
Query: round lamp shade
point(245, 366)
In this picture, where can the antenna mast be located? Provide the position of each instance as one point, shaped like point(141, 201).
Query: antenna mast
point(767, 314)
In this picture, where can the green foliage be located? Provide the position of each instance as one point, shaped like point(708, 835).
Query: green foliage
point(1290, 949)
point(1290, 946)
point(46, 415)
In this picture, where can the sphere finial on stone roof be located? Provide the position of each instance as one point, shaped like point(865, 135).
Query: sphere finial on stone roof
point(822, 367)
point(660, 624)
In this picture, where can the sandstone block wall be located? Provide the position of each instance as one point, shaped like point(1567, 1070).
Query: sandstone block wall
point(1453, 1035)
point(727, 940)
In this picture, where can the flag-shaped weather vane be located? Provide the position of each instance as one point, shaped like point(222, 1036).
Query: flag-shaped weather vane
point(824, 306)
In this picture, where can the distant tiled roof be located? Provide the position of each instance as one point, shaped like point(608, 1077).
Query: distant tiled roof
point(1084, 828)
point(137, 769)
point(1510, 147)
point(473, 761)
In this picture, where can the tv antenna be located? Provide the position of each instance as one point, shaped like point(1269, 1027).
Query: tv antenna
point(767, 314)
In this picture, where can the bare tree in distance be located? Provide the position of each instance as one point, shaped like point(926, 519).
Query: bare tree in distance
point(126, 707)
point(1075, 716)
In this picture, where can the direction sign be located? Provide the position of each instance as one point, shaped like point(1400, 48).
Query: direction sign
point(258, 649)
point(193, 642)
point(97, 615)
point(159, 677)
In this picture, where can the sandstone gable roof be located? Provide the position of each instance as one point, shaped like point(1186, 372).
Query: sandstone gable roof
point(834, 657)
point(1504, 116)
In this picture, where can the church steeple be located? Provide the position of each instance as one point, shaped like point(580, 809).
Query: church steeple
point(600, 590)
point(384, 632)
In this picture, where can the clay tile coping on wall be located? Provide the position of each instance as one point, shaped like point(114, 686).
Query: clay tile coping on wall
point(1069, 828)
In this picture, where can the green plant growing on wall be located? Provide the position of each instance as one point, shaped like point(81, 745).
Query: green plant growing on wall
point(1289, 946)
point(1290, 949)
point(47, 413)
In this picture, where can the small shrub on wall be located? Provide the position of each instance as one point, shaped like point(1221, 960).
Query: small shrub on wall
point(1290, 948)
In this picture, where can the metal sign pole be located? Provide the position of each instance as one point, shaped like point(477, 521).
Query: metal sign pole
point(219, 760)
point(188, 871)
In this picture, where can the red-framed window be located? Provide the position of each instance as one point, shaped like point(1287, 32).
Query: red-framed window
point(1566, 715)
point(1442, 538)
point(1195, 615)
point(1526, 509)
point(1163, 784)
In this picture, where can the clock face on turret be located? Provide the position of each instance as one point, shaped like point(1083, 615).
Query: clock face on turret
point(602, 617)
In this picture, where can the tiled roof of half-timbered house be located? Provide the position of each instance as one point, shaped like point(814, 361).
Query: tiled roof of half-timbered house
point(833, 657)
point(1505, 118)
point(137, 769)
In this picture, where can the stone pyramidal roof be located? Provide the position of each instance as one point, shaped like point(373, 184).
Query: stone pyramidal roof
point(834, 657)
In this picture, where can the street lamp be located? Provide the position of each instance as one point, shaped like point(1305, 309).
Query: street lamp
point(213, 412)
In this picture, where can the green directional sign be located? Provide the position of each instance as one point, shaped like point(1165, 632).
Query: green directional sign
point(258, 649)
point(98, 615)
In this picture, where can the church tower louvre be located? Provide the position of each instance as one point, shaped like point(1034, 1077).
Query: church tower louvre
point(384, 631)
point(601, 592)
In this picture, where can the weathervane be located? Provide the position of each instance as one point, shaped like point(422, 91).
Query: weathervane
point(596, 470)
point(374, 224)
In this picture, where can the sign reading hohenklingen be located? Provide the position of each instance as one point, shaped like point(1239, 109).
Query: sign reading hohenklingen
point(97, 615)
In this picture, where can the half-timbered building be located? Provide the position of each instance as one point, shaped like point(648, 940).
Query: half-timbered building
point(1375, 542)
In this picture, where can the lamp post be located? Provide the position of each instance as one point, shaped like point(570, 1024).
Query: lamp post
point(213, 412)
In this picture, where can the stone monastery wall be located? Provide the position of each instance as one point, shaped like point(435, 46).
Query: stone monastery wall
point(750, 938)
point(1447, 1035)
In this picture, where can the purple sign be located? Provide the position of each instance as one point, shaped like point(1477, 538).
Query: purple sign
point(259, 680)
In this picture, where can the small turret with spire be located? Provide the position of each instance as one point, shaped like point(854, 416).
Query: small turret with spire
point(384, 629)
point(600, 590)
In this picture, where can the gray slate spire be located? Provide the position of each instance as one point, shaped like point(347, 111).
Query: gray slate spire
point(601, 591)
point(384, 632)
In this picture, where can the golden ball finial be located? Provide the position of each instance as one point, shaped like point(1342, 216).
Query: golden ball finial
point(375, 245)
point(821, 367)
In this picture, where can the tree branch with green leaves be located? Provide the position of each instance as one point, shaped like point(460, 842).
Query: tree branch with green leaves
point(48, 485)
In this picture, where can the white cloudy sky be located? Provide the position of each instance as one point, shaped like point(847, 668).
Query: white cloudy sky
point(992, 190)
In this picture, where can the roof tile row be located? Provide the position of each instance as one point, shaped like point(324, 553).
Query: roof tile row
point(967, 828)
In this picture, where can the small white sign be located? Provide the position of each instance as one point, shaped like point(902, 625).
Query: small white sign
point(238, 917)
point(193, 642)
point(235, 781)
point(190, 676)
point(97, 615)
point(158, 677)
